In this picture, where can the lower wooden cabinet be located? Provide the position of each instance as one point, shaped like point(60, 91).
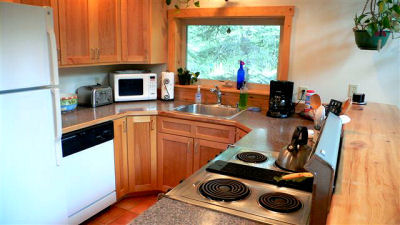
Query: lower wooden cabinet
point(142, 153)
point(205, 150)
point(121, 157)
point(147, 160)
point(175, 159)
point(135, 154)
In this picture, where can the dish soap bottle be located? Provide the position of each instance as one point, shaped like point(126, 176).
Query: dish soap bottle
point(198, 95)
point(240, 76)
point(244, 94)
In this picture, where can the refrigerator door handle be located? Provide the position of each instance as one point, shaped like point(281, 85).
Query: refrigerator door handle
point(52, 47)
point(55, 92)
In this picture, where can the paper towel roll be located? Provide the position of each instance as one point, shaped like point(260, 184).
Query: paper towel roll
point(167, 85)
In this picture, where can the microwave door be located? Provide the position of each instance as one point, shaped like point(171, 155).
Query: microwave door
point(131, 88)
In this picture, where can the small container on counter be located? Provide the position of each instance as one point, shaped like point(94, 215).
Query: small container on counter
point(309, 93)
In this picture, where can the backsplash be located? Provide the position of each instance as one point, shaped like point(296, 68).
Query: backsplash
point(75, 77)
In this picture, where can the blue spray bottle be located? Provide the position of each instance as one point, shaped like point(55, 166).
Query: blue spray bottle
point(240, 76)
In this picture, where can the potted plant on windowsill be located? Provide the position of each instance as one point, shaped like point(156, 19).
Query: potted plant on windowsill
point(373, 28)
point(186, 77)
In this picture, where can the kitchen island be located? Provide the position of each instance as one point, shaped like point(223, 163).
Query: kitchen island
point(367, 186)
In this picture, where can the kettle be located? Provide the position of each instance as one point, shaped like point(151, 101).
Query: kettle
point(294, 156)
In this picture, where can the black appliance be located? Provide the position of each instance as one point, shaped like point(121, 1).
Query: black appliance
point(280, 99)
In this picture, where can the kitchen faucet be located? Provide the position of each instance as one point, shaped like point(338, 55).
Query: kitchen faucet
point(217, 91)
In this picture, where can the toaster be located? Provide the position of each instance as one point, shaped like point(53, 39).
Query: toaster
point(94, 95)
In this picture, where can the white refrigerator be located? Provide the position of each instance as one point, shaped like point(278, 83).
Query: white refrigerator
point(31, 183)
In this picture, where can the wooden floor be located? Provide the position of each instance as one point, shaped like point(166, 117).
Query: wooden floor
point(123, 211)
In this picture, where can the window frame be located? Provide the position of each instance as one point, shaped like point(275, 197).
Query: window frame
point(178, 21)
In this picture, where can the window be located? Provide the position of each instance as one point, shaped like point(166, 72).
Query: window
point(215, 50)
point(198, 39)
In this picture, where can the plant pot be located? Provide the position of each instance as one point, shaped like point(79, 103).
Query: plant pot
point(184, 80)
point(366, 42)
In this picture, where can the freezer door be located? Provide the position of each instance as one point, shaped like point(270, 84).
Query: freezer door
point(28, 55)
point(31, 184)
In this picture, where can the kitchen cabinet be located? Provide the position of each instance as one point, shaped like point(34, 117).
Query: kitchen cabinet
point(240, 134)
point(142, 153)
point(205, 150)
point(175, 159)
point(143, 31)
point(184, 146)
point(89, 31)
point(54, 5)
point(121, 157)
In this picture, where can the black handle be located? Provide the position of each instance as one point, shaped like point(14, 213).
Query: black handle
point(300, 137)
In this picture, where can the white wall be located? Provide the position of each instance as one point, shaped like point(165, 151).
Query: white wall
point(324, 55)
point(73, 78)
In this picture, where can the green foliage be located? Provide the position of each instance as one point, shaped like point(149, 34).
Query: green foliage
point(383, 15)
point(186, 75)
point(215, 52)
point(185, 3)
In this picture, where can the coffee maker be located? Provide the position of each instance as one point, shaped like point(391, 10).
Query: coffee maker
point(280, 99)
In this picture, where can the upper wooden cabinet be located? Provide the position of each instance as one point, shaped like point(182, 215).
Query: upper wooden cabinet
point(143, 31)
point(76, 46)
point(106, 30)
point(89, 31)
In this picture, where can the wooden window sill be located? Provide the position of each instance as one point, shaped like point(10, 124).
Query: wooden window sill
point(223, 89)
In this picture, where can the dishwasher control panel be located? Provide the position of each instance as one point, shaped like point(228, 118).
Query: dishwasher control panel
point(85, 138)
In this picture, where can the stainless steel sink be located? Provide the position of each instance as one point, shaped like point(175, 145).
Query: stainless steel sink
point(221, 111)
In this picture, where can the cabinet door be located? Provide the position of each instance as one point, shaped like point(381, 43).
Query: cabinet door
point(142, 153)
point(240, 133)
point(206, 150)
point(121, 157)
point(135, 30)
point(175, 159)
point(105, 31)
point(215, 132)
point(76, 47)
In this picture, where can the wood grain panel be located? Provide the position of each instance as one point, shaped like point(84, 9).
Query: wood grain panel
point(228, 98)
point(240, 134)
point(135, 24)
point(175, 159)
point(142, 156)
point(214, 132)
point(74, 32)
point(175, 126)
point(206, 150)
point(106, 31)
point(121, 158)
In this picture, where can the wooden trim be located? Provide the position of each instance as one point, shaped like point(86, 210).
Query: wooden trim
point(175, 23)
point(224, 89)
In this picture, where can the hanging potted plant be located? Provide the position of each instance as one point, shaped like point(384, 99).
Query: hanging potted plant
point(373, 28)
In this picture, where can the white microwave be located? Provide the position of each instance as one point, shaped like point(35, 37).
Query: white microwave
point(134, 87)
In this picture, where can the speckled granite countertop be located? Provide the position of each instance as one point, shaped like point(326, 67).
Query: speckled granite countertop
point(371, 140)
point(171, 212)
point(266, 133)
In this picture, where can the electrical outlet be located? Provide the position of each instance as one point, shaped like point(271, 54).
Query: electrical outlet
point(353, 88)
point(300, 92)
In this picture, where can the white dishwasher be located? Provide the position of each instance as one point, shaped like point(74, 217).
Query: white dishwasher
point(88, 166)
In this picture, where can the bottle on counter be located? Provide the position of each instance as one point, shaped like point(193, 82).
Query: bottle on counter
point(243, 97)
point(198, 95)
point(309, 93)
point(240, 76)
